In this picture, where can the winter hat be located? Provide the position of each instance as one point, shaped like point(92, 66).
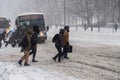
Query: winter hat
point(62, 31)
point(36, 28)
point(66, 27)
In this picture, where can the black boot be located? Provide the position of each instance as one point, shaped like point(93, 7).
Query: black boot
point(33, 60)
point(54, 59)
point(20, 62)
point(26, 64)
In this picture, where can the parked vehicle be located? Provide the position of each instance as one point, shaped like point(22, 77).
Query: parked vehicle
point(4, 24)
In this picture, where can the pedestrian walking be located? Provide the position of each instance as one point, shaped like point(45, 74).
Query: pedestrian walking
point(34, 40)
point(58, 40)
point(25, 46)
point(66, 42)
point(47, 28)
point(116, 27)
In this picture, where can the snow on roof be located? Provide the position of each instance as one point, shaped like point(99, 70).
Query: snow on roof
point(30, 13)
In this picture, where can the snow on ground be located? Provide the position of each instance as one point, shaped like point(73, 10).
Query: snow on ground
point(11, 71)
point(95, 56)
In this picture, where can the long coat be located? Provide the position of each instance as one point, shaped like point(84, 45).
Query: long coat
point(28, 33)
point(66, 37)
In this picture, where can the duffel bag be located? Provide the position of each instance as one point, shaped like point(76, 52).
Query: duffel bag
point(69, 48)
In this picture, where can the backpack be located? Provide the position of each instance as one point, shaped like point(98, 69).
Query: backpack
point(55, 38)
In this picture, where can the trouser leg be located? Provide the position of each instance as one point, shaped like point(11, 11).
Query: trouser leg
point(59, 57)
point(34, 52)
point(25, 57)
point(59, 49)
point(65, 52)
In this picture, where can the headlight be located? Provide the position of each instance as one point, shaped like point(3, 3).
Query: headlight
point(41, 33)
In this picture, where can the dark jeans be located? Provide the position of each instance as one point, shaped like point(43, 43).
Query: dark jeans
point(59, 49)
point(65, 51)
point(33, 51)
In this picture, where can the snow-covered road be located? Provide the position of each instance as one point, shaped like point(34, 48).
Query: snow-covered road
point(96, 56)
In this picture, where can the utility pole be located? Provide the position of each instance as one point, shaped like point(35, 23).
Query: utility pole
point(119, 11)
point(64, 14)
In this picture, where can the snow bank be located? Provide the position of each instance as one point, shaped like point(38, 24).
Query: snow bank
point(11, 71)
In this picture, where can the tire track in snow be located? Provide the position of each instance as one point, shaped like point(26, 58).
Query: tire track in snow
point(97, 66)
